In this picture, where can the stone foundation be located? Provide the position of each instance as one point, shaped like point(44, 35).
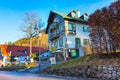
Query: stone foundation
point(99, 71)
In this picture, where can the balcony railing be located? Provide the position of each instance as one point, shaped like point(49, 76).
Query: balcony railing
point(54, 36)
point(71, 32)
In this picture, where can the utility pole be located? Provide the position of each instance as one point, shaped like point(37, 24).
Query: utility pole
point(39, 51)
point(38, 33)
point(30, 46)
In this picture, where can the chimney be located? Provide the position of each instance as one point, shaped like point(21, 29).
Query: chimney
point(78, 13)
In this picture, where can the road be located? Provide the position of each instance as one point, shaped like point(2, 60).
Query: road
point(30, 76)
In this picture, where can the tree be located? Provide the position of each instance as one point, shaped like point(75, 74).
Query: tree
point(33, 55)
point(10, 43)
point(31, 22)
point(105, 28)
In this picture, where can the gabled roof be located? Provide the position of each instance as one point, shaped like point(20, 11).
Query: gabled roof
point(66, 17)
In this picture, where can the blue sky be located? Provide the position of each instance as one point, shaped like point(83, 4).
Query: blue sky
point(12, 12)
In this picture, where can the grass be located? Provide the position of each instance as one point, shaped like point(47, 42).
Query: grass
point(94, 59)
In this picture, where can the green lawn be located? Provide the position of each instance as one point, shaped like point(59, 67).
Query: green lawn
point(101, 59)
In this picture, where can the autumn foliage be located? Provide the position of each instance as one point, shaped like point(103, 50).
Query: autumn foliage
point(105, 28)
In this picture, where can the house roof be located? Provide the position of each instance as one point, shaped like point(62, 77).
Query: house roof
point(66, 17)
point(45, 51)
point(18, 50)
point(3, 50)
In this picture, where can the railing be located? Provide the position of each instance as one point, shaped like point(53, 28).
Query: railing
point(54, 36)
point(71, 32)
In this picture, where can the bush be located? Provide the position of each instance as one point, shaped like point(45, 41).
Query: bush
point(30, 65)
point(13, 67)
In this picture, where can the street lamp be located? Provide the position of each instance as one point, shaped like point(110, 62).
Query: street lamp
point(38, 33)
point(66, 48)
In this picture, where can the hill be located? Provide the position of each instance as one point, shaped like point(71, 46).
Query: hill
point(36, 41)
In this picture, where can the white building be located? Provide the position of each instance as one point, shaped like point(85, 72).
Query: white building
point(68, 33)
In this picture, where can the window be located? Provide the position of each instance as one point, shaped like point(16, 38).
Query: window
point(61, 41)
point(86, 29)
point(77, 42)
point(86, 41)
point(24, 51)
point(18, 50)
point(56, 43)
point(61, 28)
point(71, 28)
point(85, 17)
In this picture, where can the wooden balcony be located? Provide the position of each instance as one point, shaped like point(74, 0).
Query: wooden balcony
point(54, 36)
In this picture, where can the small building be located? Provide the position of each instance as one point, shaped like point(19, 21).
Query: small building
point(68, 33)
point(45, 55)
point(17, 52)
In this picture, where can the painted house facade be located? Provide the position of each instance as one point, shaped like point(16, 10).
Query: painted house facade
point(68, 33)
point(19, 52)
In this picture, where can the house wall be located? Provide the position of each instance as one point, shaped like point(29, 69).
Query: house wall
point(79, 34)
point(64, 23)
point(20, 52)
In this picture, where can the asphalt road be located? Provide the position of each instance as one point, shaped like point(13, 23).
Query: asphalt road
point(30, 76)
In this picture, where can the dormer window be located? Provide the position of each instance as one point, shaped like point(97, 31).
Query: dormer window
point(85, 17)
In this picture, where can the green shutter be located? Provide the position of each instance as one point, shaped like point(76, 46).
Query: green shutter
point(77, 42)
point(83, 29)
point(86, 41)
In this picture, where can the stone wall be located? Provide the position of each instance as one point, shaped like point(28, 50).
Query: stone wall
point(101, 72)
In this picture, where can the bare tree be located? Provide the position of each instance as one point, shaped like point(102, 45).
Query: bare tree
point(31, 24)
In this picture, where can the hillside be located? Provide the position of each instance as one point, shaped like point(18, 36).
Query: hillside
point(94, 59)
point(36, 41)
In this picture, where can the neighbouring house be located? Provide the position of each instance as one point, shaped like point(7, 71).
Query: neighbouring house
point(45, 55)
point(68, 34)
point(19, 53)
